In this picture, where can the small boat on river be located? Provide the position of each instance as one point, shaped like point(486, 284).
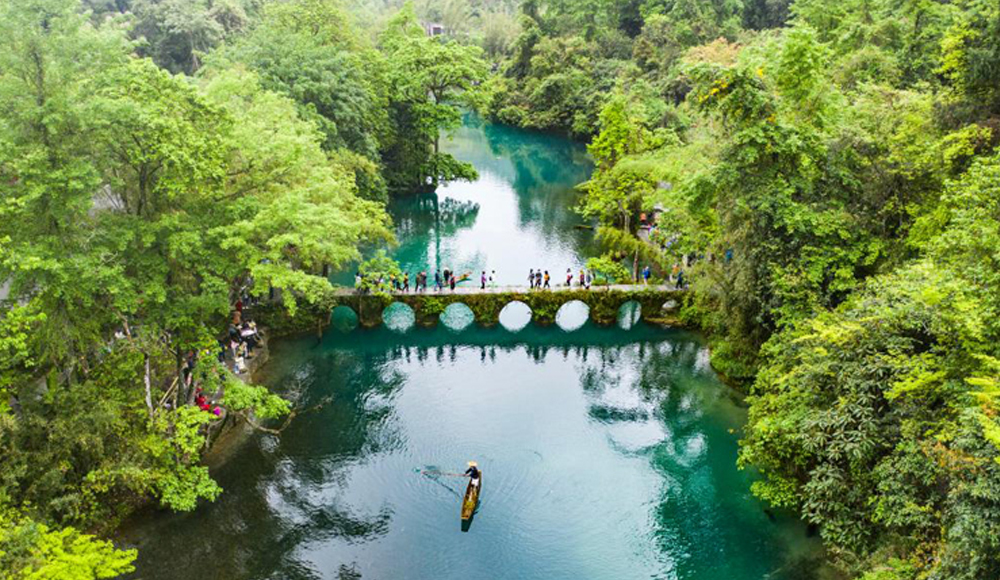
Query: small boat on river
point(471, 499)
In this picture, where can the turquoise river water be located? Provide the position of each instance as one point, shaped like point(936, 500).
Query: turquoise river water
point(607, 453)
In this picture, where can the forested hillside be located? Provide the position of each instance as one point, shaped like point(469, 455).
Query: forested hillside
point(159, 162)
point(826, 171)
point(831, 167)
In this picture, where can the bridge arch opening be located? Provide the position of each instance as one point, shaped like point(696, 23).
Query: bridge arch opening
point(572, 315)
point(457, 316)
point(343, 318)
point(398, 317)
point(629, 314)
point(515, 316)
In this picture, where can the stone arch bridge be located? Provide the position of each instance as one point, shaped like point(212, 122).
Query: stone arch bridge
point(658, 303)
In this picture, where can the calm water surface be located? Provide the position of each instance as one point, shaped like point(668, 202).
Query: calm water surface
point(517, 216)
point(606, 453)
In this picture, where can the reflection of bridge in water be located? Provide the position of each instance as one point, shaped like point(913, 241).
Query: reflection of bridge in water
point(656, 303)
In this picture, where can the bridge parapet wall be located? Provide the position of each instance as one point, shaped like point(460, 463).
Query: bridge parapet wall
point(658, 303)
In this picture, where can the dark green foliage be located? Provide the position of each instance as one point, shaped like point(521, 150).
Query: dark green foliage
point(835, 181)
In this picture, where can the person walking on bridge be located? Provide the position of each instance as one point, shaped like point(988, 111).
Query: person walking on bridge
point(531, 278)
point(645, 275)
point(546, 285)
point(538, 278)
point(482, 280)
point(437, 281)
point(569, 277)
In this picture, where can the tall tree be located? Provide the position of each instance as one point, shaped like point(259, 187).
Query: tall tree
point(427, 80)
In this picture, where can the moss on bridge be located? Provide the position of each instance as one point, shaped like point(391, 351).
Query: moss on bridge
point(603, 304)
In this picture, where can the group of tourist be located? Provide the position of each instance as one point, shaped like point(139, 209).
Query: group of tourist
point(537, 279)
point(206, 404)
point(540, 279)
point(442, 279)
point(242, 339)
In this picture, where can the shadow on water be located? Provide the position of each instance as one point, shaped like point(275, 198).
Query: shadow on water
point(467, 524)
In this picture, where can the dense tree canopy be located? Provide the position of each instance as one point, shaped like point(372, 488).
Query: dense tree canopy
point(136, 205)
point(826, 170)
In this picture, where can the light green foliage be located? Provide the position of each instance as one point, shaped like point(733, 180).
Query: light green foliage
point(987, 394)
point(894, 569)
point(970, 240)
point(606, 270)
point(801, 78)
point(15, 348)
point(377, 273)
point(134, 204)
point(304, 213)
point(174, 446)
point(32, 551)
point(558, 88)
point(617, 192)
point(871, 404)
point(264, 405)
point(306, 50)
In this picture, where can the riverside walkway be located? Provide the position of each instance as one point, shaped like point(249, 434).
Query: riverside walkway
point(657, 302)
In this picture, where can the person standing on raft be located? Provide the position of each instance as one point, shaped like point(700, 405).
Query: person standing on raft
point(473, 473)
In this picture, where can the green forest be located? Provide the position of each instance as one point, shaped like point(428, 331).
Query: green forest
point(831, 168)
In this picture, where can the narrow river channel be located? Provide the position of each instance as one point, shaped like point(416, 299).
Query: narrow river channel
point(607, 453)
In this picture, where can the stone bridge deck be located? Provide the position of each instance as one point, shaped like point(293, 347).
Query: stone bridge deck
point(604, 302)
